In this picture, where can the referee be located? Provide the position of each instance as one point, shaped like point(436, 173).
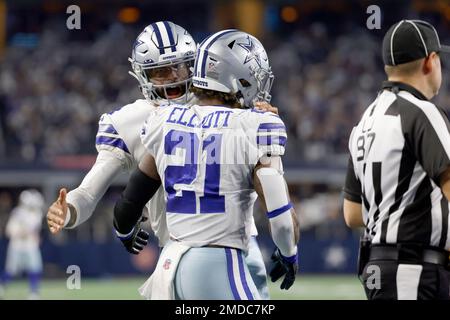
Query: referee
point(398, 178)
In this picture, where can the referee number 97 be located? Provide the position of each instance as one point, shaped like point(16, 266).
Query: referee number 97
point(363, 150)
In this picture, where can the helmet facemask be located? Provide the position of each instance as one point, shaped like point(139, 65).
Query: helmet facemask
point(154, 83)
point(262, 79)
point(161, 60)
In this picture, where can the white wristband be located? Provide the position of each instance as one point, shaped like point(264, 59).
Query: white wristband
point(66, 222)
point(124, 236)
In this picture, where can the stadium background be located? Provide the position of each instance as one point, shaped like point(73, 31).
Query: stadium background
point(55, 83)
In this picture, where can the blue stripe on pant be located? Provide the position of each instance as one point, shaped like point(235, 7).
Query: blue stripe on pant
point(243, 278)
point(214, 274)
point(231, 275)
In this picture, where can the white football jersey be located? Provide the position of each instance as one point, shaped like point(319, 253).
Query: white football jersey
point(205, 156)
point(23, 228)
point(119, 131)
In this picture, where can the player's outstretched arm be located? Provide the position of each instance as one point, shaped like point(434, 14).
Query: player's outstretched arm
point(73, 208)
point(272, 190)
point(143, 184)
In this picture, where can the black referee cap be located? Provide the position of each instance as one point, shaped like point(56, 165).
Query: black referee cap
point(410, 40)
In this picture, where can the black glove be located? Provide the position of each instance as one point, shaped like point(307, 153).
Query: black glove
point(135, 242)
point(283, 266)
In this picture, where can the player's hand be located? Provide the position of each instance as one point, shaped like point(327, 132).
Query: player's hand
point(283, 267)
point(56, 214)
point(135, 242)
point(265, 106)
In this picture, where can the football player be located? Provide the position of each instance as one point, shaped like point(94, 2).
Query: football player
point(23, 253)
point(162, 61)
point(213, 158)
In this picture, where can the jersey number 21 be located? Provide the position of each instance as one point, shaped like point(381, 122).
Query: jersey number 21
point(186, 202)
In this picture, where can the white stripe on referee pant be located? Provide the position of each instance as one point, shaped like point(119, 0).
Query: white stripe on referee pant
point(237, 275)
point(408, 279)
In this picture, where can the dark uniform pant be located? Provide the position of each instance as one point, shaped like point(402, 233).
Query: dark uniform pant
point(392, 280)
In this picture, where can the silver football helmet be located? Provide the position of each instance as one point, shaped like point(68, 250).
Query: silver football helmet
point(233, 61)
point(162, 61)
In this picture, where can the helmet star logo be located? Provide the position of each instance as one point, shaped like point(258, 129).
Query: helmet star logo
point(137, 43)
point(253, 51)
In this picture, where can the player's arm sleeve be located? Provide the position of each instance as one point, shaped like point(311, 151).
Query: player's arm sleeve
point(108, 138)
point(271, 136)
point(139, 190)
point(427, 135)
point(352, 187)
point(269, 182)
point(272, 190)
point(83, 200)
point(113, 157)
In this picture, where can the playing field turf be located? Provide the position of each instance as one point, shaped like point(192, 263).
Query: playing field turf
point(312, 287)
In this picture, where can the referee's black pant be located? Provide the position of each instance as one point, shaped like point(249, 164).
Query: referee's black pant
point(393, 280)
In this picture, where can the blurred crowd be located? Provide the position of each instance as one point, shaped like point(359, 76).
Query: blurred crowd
point(52, 95)
point(324, 83)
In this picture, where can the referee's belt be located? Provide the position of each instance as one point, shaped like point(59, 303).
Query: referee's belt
point(409, 253)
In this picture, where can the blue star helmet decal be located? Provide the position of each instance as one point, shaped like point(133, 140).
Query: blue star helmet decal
point(137, 43)
point(142, 51)
point(253, 51)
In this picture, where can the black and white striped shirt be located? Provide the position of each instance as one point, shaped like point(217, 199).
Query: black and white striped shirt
point(398, 151)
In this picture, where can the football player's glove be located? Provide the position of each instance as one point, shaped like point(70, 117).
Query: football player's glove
point(283, 266)
point(137, 240)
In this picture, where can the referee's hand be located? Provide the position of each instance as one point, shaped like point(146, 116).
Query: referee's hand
point(283, 266)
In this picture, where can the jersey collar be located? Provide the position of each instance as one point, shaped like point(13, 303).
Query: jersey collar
point(396, 86)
